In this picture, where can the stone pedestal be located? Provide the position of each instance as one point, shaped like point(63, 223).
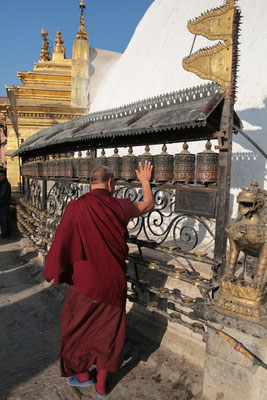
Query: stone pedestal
point(229, 375)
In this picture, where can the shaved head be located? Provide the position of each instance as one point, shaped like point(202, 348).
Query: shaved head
point(101, 174)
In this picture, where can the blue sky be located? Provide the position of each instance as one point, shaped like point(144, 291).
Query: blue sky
point(110, 23)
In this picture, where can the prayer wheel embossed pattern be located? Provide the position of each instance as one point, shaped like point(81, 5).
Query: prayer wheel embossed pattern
point(184, 166)
point(146, 156)
point(114, 163)
point(163, 165)
point(129, 165)
point(207, 166)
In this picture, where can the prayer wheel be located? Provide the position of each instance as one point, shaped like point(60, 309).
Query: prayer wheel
point(85, 166)
point(163, 164)
point(51, 166)
point(146, 156)
point(129, 165)
point(184, 166)
point(68, 166)
point(75, 164)
point(101, 160)
point(45, 168)
point(55, 166)
point(61, 165)
point(114, 163)
point(207, 165)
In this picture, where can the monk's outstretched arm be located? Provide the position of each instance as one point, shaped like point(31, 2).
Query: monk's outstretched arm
point(144, 176)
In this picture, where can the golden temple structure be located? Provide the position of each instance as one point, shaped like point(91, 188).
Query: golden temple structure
point(51, 93)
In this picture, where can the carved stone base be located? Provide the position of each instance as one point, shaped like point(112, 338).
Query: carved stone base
point(241, 300)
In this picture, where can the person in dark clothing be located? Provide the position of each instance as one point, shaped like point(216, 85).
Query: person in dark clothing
point(5, 199)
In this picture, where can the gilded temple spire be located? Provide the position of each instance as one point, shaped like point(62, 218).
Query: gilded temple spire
point(44, 56)
point(59, 43)
point(59, 50)
point(82, 34)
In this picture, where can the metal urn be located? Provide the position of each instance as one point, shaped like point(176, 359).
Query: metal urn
point(129, 165)
point(163, 165)
point(207, 165)
point(147, 156)
point(101, 160)
point(184, 166)
point(114, 163)
point(85, 166)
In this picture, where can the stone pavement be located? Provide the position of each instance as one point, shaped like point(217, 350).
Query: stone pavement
point(29, 335)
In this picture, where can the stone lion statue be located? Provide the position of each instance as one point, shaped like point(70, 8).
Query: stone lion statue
point(249, 233)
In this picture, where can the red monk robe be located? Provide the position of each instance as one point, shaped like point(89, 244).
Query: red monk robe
point(88, 253)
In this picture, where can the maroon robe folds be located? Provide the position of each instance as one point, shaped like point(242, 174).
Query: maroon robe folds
point(88, 253)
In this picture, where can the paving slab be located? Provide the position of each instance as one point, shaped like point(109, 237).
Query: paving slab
point(30, 331)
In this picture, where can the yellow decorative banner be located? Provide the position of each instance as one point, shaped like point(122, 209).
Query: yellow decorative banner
point(217, 63)
point(216, 24)
point(214, 64)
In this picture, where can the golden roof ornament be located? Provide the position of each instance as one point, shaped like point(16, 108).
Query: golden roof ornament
point(217, 63)
point(44, 56)
point(59, 43)
point(82, 34)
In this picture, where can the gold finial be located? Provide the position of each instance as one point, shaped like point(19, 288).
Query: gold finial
point(147, 151)
point(81, 34)
point(185, 149)
point(59, 42)
point(44, 56)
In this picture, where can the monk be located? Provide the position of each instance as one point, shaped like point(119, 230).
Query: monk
point(88, 253)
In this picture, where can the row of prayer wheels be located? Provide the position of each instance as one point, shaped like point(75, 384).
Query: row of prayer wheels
point(166, 167)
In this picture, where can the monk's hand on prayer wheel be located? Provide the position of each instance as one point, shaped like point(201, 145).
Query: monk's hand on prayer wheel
point(144, 175)
point(144, 172)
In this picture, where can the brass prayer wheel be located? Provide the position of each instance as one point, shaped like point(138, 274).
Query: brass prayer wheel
point(36, 169)
point(86, 166)
point(146, 156)
point(51, 166)
point(56, 165)
point(184, 166)
point(68, 166)
point(163, 164)
point(45, 167)
point(129, 165)
point(114, 163)
point(207, 165)
point(101, 160)
point(76, 164)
